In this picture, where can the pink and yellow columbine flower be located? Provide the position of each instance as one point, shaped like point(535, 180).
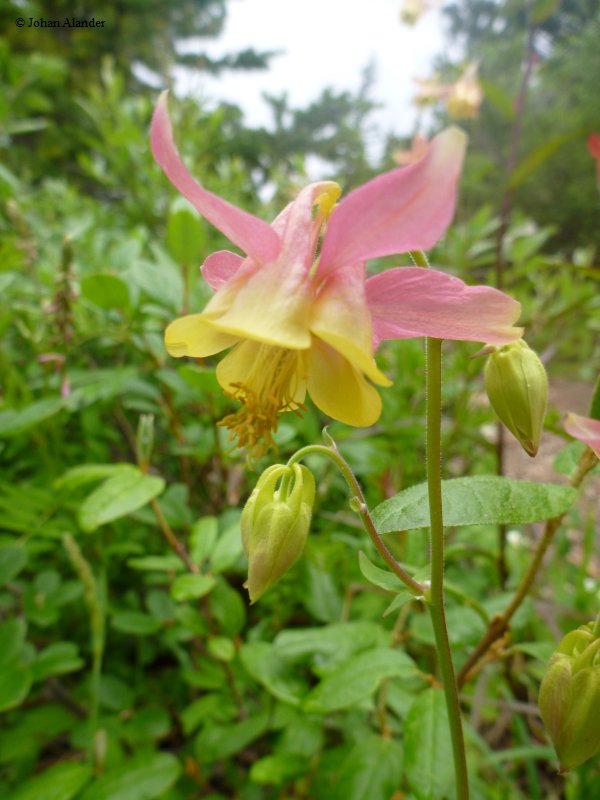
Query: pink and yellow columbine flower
point(296, 309)
point(462, 98)
point(584, 429)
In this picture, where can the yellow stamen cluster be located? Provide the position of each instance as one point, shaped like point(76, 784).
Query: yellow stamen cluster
point(269, 388)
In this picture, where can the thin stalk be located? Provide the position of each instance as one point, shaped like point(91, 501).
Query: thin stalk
point(436, 589)
point(362, 509)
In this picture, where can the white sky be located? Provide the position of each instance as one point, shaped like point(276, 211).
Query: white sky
point(326, 43)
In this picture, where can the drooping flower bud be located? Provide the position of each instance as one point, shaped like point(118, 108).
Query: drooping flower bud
point(275, 523)
point(569, 698)
point(517, 386)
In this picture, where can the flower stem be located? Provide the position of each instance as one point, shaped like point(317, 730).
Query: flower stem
point(436, 591)
point(362, 509)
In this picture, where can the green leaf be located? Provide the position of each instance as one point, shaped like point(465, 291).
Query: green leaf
point(217, 742)
point(227, 549)
point(185, 236)
point(12, 639)
point(135, 622)
point(143, 778)
point(357, 679)
point(12, 561)
point(118, 496)
point(15, 682)
point(88, 473)
point(262, 662)
point(190, 587)
point(279, 768)
point(105, 291)
point(14, 421)
point(221, 648)
point(398, 601)
point(228, 608)
point(482, 499)
point(371, 771)
point(428, 761)
point(58, 658)
point(536, 158)
point(335, 642)
point(499, 98)
point(203, 538)
point(379, 577)
point(59, 782)
point(169, 563)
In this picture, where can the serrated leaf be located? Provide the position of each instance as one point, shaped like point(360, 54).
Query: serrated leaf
point(357, 679)
point(118, 496)
point(59, 782)
point(482, 499)
point(428, 763)
point(191, 587)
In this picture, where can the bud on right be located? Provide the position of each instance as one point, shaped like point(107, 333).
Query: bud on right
point(570, 697)
point(517, 386)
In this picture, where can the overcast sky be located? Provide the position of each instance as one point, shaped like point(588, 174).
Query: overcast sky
point(325, 43)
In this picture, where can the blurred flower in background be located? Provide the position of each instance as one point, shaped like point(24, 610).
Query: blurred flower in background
point(461, 98)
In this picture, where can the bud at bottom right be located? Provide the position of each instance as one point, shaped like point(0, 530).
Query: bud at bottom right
point(569, 697)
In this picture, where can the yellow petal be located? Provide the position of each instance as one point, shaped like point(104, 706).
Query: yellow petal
point(193, 336)
point(269, 304)
point(258, 366)
point(340, 390)
point(340, 317)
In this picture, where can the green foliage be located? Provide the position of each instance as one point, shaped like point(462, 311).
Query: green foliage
point(131, 663)
point(481, 499)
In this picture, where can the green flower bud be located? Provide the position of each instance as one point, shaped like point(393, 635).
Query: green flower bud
point(569, 698)
point(275, 524)
point(517, 386)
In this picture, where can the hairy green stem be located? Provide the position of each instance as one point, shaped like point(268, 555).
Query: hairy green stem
point(436, 590)
point(362, 509)
point(435, 596)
